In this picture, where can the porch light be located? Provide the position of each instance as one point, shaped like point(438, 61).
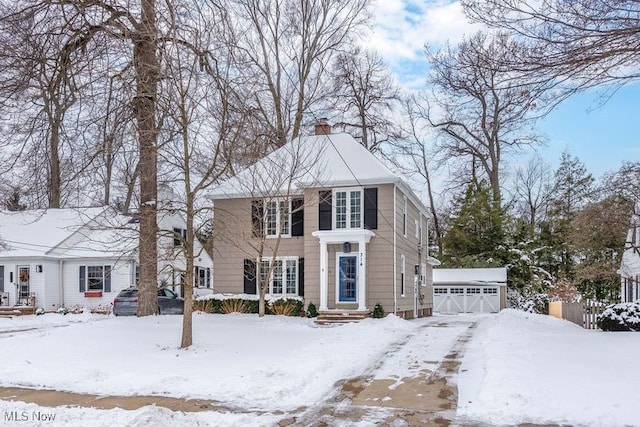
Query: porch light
point(346, 247)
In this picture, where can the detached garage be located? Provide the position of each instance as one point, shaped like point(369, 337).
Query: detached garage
point(469, 290)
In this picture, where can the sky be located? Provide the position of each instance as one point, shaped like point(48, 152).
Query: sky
point(601, 135)
point(516, 368)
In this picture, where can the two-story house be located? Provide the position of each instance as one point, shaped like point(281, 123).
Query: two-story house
point(630, 264)
point(331, 222)
point(82, 257)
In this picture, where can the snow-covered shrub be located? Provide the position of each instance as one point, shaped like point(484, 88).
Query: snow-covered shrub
point(529, 302)
point(621, 317)
point(286, 307)
point(62, 310)
point(39, 311)
point(234, 306)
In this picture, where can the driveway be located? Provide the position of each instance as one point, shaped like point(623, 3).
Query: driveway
point(425, 395)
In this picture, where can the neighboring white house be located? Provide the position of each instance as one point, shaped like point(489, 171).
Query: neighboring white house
point(469, 290)
point(83, 257)
point(630, 264)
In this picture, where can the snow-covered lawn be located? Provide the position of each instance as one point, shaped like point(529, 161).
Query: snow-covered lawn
point(517, 368)
point(523, 367)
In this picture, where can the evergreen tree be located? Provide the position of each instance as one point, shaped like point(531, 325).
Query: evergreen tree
point(573, 189)
point(475, 229)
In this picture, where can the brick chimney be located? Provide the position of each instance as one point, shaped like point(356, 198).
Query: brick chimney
point(322, 127)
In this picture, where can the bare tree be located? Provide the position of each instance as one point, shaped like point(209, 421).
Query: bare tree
point(581, 42)
point(532, 188)
point(365, 96)
point(480, 109)
point(417, 146)
point(283, 48)
point(200, 105)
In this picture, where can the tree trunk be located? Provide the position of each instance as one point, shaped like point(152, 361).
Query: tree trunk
point(146, 67)
point(187, 286)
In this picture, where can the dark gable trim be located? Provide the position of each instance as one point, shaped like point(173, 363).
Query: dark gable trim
point(324, 210)
point(250, 277)
point(371, 208)
point(297, 217)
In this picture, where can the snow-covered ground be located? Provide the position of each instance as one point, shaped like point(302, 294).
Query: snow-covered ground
point(517, 368)
point(522, 367)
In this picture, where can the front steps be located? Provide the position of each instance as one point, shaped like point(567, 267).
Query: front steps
point(341, 316)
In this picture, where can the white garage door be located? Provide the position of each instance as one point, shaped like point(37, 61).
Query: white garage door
point(466, 299)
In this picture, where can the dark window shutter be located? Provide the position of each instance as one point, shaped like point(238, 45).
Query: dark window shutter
point(297, 217)
point(301, 277)
point(324, 210)
point(1, 279)
point(208, 277)
point(257, 215)
point(249, 277)
point(371, 208)
point(107, 278)
point(82, 278)
point(176, 237)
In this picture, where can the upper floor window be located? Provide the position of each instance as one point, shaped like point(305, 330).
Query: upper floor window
point(179, 236)
point(348, 208)
point(277, 218)
point(404, 216)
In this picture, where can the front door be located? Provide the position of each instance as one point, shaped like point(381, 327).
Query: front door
point(23, 284)
point(347, 278)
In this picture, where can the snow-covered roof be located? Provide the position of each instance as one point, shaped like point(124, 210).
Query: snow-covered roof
point(443, 276)
point(65, 233)
point(333, 160)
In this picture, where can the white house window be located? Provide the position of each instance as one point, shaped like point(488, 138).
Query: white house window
point(95, 278)
point(277, 217)
point(284, 276)
point(179, 236)
point(202, 277)
point(348, 208)
point(417, 229)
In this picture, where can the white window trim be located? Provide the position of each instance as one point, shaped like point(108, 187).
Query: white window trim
point(278, 218)
point(86, 276)
point(196, 276)
point(403, 275)
point(334, 216)
point(283, 273)
point(417, 230)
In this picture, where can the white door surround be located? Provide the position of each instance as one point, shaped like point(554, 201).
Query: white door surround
point(331, 237)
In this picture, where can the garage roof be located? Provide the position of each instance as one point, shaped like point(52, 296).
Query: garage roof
point(443, 276)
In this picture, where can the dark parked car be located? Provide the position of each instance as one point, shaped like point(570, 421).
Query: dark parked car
point(126, 303)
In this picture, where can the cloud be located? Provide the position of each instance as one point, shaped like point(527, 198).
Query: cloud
point(401, 28)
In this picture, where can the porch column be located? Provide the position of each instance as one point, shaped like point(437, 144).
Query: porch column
point(323, 276)
point(362, 276)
